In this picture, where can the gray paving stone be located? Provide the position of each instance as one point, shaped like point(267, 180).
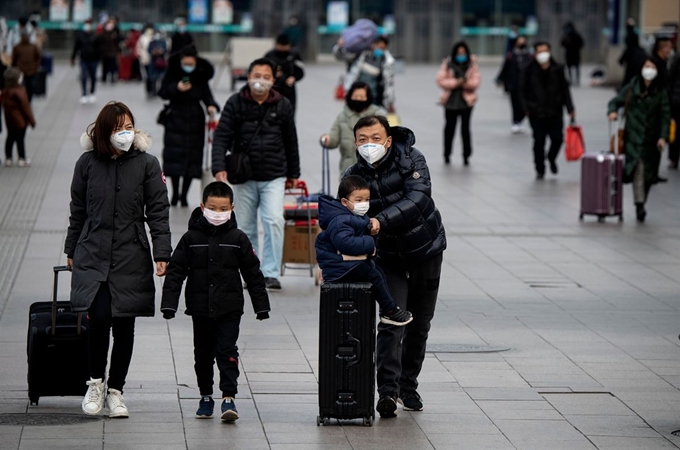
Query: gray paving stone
point(628, 443)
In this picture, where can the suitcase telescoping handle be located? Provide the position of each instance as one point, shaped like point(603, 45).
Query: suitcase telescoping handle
point(58, 269)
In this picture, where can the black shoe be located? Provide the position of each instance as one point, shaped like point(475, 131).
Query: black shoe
point(272, 283)
point(174, 201)
point(640, 212)
point(466, 162)
point(673, 165)
point(184, 202)
point(553, 166)
point(396, 316)
point(662, 180)
point(540, 175)
point(387, 407)
point(447, 160)
point(411, 401)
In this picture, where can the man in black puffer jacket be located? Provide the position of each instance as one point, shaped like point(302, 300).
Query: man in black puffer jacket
point(259, 122)
point(411, 241)
point(544, 92)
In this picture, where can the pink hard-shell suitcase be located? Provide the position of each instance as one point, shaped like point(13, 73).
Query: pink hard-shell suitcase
point(601, 185)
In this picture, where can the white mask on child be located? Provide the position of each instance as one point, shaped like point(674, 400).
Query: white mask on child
point(216, 218)
point(360, 208)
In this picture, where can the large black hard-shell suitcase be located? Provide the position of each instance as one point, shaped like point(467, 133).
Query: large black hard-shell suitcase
point(346, 353)
point(58, 363)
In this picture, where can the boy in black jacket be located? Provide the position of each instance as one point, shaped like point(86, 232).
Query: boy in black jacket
point(212, 254)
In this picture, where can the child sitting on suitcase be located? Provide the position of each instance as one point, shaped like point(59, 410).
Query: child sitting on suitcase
point(344, 249)
point(213, 255)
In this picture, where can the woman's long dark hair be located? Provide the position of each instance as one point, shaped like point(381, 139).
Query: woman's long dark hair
point(110, 117)
point(456, 46)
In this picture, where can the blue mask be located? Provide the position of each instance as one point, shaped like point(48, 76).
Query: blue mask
point(378, 52)
point(188, 69)
point(461, 59)
point(182, 28)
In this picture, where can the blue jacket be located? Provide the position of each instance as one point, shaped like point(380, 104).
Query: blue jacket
point(344, 233)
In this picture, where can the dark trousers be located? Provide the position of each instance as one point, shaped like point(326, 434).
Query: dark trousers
point(110, 66)
point(176, 196)
point(400, 351)
point(543, 128)
point(575, 77)
point(518, 112)
point(367, 271)
point(101, 325)
point(29, 84)
point(674, 148)
point(451, 116)
point(215, 339)
point(18, 137)
point(88, 71)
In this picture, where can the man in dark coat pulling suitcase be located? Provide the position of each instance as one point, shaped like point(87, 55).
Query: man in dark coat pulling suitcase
point(411, 242)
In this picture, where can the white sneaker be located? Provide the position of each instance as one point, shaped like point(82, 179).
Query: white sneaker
point(8, 163)
point(92, 98)
point(516, 129)
point(83, 99)
point(94, 397)
point(24, 163)
point(116, 404)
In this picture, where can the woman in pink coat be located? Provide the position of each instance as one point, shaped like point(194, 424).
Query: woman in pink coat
point(459, 77)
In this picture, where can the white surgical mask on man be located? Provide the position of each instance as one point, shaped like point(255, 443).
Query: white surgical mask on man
point(542, 57)
point(260, 85)
point(372, 152)
point(216, 218)
point(360, 208)
point(649, 73)
point(122, 140)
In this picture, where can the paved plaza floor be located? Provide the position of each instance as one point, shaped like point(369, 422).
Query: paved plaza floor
point(589, 312)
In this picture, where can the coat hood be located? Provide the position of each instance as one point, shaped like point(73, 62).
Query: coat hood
point(329, 209)
point(142, 141)
point(198, 222)
point(401, 137)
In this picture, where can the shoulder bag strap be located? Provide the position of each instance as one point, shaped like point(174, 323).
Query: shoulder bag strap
point(257, 130)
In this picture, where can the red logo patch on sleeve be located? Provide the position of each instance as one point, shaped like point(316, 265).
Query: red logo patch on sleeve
point(163, 178)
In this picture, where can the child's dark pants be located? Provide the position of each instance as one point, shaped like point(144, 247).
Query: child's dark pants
point(216, 339)
point(367, 271)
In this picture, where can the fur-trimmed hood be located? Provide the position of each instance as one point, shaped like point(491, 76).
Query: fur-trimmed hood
point(142, 141)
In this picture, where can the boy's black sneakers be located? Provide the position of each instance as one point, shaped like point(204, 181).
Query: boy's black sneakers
point(272, 283)
point(396, 316)
point(387, 407)
point(205, 408)
point(411, 401)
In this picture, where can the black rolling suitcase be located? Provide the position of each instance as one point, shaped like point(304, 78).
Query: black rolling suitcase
point(40, 84)
point(58, 363)
point(346, 353)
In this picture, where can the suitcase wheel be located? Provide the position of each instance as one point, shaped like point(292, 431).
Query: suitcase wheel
point(621, 218)
point(368, 421)
point(319, 420)
point(601, 219)
point(580, 217)
point(34, 401)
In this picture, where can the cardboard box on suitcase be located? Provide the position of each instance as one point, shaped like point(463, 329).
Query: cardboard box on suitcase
point(296, 242)
point(58, 360)
point(346, 353)
point(602, 185)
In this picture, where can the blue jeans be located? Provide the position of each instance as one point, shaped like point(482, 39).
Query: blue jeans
point(88, 70)
point(265, 198)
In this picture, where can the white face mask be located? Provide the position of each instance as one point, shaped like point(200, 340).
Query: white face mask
point(543, 57)
point(360, 208)
point(260, 86)
point(216, 218)
point(649, 73)
point(123, 140)
point(371, 152)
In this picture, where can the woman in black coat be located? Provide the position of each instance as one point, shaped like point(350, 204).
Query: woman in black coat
point(186, 86)
point(116, 188)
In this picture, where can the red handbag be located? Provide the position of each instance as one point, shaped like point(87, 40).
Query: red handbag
point(574, 146)
point(340, 90)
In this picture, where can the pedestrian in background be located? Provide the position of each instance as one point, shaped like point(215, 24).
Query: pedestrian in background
point(375, 67)
point(111, 39)
point(646, 131)
point(26, 58)
point(544, 92)
point(145, 57)
point(572, 42)
point(259, 121)
point(661, 53)
point(88, 46)
point(117, 187)
point(14, 34)
point(633, 55)
point(289, 68)
point(358, 104)
point(674, 98)
point(181, 37)
point(510, 77)
point(186, 87)
point(459, 77)
point(18, 116)
point(158, 62)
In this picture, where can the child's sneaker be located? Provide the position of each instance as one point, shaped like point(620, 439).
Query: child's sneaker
point(229, 413)
point(24, 163)
point(116, 404)
point(8, 163)
point(205, 408)
point(396, 316)
point(93, 402)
